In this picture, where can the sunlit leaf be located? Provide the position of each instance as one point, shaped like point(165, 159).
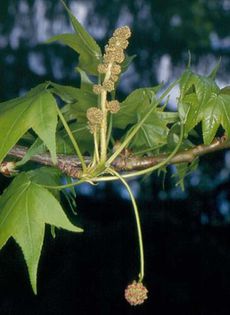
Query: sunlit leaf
point(79, 100)
point(83, 43)
point(137, 102)
point(36, 110)
point(153, 131)
point(25, 208)
point(203, 101)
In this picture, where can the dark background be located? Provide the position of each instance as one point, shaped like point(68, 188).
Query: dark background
point(186, 234)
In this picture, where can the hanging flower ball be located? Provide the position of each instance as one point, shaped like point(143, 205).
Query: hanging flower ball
point(136, 293)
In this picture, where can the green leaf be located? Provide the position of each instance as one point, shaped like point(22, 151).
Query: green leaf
point(64, 144)
point(127, 62)
point(183, 170)
point(25, 208)
point(37, 147)
point(216, 113)
point(137, 102)
point(83, 136)
point(79, 100)
point(83, 43)
point(36, 110)
point(153, 132)
point(47, 176)
point(225, 90)
point(86, 83)
point(187, 82)
point(203, 101)
point(214, 71)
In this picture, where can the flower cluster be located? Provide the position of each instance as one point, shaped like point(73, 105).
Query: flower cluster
point(113, 106)
point(113, 57)
point(95, 117)
point(136, 293)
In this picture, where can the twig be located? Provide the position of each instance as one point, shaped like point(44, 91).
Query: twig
point(71, 165)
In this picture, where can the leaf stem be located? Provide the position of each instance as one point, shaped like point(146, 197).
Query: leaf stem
point(96, 152)
point(109, 129)
point(103, 127)
point(73, 140)
point(60, 187)
point(138, 223)
point(104, 120)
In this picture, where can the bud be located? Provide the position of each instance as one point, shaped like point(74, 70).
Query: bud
point(8, 168)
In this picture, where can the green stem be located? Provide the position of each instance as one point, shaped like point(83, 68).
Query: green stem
point(60, 187)
point(138, 126)
point(137, 217)
point(96, 152)
point(150, 169)
point(103, 127)
point(73, 140)
point(109, 129)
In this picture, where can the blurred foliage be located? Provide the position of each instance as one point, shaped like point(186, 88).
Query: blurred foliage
point(160, 28)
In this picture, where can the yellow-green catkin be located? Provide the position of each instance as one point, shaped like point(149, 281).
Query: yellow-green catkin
point(112, 58)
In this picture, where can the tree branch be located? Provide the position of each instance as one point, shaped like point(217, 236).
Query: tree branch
point(71, 165)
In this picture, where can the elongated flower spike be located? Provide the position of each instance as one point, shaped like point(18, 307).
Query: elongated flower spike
point(113, 57)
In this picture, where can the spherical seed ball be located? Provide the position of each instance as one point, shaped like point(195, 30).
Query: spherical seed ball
point(108, 85)
point(97, 88)
point(122, 32)
point(136, 293)
point(113, 106)
point(94, 115)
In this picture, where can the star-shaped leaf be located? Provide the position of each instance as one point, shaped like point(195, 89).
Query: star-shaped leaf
point(25, 208)
point(203, 101)
point(83, 43)
point(36, 110)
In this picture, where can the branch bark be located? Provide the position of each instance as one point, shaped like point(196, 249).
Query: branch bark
point(71, 165)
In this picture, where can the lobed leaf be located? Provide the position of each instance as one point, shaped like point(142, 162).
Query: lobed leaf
point(83, 43)
point(36, 110)
point(202, 100)
point(25, 208)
